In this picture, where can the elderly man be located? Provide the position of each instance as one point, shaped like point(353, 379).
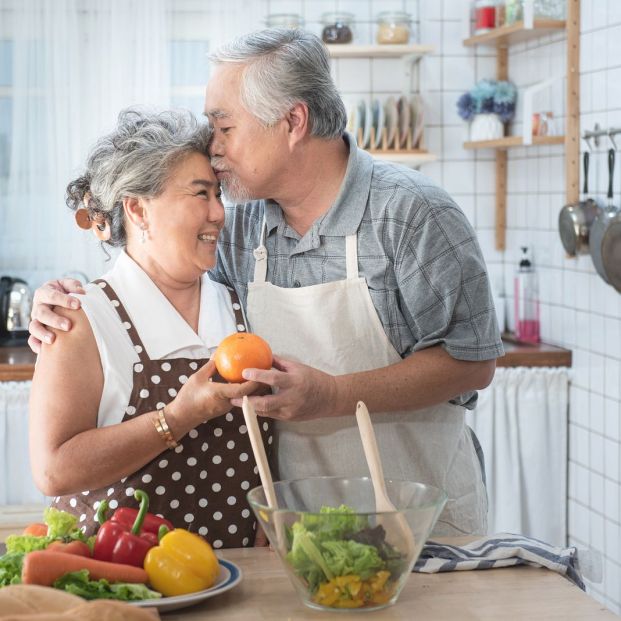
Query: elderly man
point(365, 278)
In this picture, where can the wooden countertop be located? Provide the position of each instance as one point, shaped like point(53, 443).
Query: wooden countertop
point(17, 363)
point(520, 354)
point(265, 594)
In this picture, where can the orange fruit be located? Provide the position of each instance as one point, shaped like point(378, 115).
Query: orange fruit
point(240, 351)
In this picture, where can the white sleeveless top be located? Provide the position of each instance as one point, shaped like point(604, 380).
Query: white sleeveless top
point(164, 333)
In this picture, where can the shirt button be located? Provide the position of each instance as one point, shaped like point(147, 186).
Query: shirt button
point(297, 283)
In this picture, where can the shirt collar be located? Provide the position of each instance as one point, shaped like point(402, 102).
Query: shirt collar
point(160, 326)
point(345, 215)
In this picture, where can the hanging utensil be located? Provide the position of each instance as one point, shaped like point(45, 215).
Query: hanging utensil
point(611, 251)
point(575, 219)
point(395, 520)
point(602, 220)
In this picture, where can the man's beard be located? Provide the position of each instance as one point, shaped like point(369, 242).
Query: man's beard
point(234, 190)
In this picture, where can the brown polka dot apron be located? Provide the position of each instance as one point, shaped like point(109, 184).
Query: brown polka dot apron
point(200, 485)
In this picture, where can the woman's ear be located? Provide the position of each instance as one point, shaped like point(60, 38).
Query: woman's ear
point(135, 211)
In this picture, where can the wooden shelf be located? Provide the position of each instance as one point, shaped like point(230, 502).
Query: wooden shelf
point(516, 33)
point(509, 142)
point(347, 50)
point(520, 354)
point(413, 159)
point(16, 364)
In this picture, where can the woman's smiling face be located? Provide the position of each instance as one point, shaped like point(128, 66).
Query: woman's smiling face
point(185, 219)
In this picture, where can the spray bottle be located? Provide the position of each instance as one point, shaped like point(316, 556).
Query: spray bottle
point(526, 297)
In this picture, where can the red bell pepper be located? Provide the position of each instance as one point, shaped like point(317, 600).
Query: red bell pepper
point(151, 524)
point(116, 542)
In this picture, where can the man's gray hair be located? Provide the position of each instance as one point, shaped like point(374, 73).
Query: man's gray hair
point(282, 68)
point(135, 160)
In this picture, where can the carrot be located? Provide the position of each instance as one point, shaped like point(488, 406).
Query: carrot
point(45, 567)
point(73, 547)
point(36, 530)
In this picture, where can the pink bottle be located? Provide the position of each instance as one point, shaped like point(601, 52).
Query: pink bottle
point(526, 297)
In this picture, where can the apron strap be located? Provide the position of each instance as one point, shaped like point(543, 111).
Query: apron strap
point(351, 256)
point(124, 317)
point(238, 311)
point(260, 256)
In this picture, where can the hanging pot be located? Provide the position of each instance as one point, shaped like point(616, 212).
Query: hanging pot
point(611, 252)
point(575, 219)
point(602, 221)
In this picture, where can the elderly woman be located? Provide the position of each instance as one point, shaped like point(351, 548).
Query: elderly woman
point(125, 400)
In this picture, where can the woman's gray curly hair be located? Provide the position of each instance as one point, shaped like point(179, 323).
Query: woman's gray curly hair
point(135, 160)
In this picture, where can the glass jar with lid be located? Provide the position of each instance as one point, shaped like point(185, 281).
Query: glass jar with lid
point(337, 27)
point(284, 20)
point(393, 27)
point(542, 9)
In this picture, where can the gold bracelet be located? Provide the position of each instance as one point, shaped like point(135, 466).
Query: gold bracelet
point(164, 430)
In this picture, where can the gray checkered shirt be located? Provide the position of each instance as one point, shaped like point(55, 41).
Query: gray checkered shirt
point(416, 249)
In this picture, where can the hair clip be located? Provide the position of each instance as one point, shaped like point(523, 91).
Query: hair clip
point(95, 221)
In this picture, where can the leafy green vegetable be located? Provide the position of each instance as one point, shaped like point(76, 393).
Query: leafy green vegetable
point(11, 568)
point(337, 542)
point(377, 537)
point(78, 583)
point(26, 543)
point(349, 557)
point(306, 557)
point(61, 526)
point(59, 523)
point(334, 522)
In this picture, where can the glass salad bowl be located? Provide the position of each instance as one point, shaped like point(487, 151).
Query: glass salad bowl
point(338, 551)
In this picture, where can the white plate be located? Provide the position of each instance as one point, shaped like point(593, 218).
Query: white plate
point(420, 122)
point(353, 120)
point(230, 575)
point(403, 106)
point(413, 118)
point(391, 119)
point(362, 114)
point(378, 122)
point(368, 123)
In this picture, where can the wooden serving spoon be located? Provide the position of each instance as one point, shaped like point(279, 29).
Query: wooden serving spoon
point(256, 441)
point(371, 452)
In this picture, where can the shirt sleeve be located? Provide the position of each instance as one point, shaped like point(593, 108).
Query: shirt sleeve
point(443, 283)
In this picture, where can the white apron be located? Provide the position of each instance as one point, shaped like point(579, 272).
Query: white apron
point(334, 327)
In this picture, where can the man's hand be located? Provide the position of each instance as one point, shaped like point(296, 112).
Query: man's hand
point(302, 392)
point(52, 293)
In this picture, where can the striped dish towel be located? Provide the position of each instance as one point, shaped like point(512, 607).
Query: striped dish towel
point(500, 550)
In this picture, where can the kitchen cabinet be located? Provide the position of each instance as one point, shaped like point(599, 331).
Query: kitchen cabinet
point(502, 38)
point(410, 54)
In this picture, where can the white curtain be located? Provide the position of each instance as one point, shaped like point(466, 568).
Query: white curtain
point(76, 64)
point(16, 484)
point(521, 423)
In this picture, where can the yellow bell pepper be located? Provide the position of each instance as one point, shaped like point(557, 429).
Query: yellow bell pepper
point(182, 563)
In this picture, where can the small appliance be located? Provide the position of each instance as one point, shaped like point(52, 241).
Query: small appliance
point(15, 307)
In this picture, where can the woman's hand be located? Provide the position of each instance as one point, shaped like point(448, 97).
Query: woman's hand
point(200, 399)
point(52, 293)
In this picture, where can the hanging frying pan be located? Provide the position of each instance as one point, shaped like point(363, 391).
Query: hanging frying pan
point(611, 252)
point(602, 220)
point(575, 219)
